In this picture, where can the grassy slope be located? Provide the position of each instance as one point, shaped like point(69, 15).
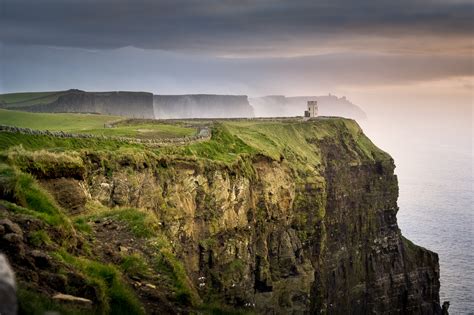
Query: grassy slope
point(29, 98)
point(91, 124)
point(292, 140)
point(46, 121)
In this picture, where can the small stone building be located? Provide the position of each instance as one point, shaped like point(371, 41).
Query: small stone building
point(312, 109)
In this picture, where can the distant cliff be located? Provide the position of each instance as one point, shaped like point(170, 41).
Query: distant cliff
point(130, 104)
point(283, 106)
point(147, 105)
point(202, 106)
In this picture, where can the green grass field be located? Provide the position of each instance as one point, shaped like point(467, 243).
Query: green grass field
point(54, 122)
point(93, 124)
point(29, 98)
point(292, 140)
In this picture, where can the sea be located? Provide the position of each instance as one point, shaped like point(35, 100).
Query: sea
point(435, 175)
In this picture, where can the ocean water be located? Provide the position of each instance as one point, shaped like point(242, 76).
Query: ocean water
point(435, 175)
point(436, 212)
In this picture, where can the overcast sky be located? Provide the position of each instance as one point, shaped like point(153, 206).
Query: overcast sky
point(362, 49)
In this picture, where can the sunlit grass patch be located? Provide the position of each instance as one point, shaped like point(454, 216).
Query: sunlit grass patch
point(141, 223)
point(115, 297)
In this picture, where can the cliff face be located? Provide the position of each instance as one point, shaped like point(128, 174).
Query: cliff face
point(368, 266)
point(308, 232)
point(202, 106)
point(130, 104)
point(283, 106)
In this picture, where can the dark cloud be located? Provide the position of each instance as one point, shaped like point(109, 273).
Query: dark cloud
point(228, 27)
point(253, 47)
point(47, 68)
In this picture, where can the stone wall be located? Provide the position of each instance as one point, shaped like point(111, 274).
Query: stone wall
point(203, 134)
point(202, 106)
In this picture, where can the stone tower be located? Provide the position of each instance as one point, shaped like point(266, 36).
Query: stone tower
point(312, 109)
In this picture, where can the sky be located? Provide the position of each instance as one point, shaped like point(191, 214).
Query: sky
point(373, 52)
point(407, 63)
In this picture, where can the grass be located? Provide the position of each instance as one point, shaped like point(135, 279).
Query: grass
point(43, 163)
point(116, 297)
point(29, 98)
point(39, 238)
point(145, 131)
point(34, 303)
point(293, 140)
point(279, 139)
point(93, 124)
point(223, 146)
point(55, 122)
point(141, 223)
point(166, 263)
point(135, 265)
point(35, 142)
point(169, 264)
point(30, 198)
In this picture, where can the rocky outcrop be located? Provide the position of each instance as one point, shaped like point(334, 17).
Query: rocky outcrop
point(285, 106)
point(263, 234)
point(283, 245)
point(201, 106)
point(130, 104)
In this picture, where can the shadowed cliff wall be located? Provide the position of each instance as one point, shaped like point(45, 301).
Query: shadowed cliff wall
point(202, 106)
point(130, 104)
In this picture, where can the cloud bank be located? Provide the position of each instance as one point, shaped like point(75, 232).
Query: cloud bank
point(238, 47)
point(241, 28)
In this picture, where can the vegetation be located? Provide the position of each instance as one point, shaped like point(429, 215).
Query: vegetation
point(55, 122)
point(135, 265)
point(29, 98)
point(93, 124)
point(223, 146)
point(46, 164)
point(141, 223)
point(145, 131)
point(115, 296)
point(34, 303)
point(292, 140)
point(29, 197)
point(36, 142)
point(167, 263)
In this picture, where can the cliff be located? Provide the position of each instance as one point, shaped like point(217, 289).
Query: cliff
point(202, 106)
point(284, 106)
point(277, 217)
point(130, 104)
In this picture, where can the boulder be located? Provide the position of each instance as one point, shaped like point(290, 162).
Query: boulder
point(8, 300)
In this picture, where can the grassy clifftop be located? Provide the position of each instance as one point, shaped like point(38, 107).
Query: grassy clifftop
point(29, 98)
point(290, 139)
point(94, 124)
